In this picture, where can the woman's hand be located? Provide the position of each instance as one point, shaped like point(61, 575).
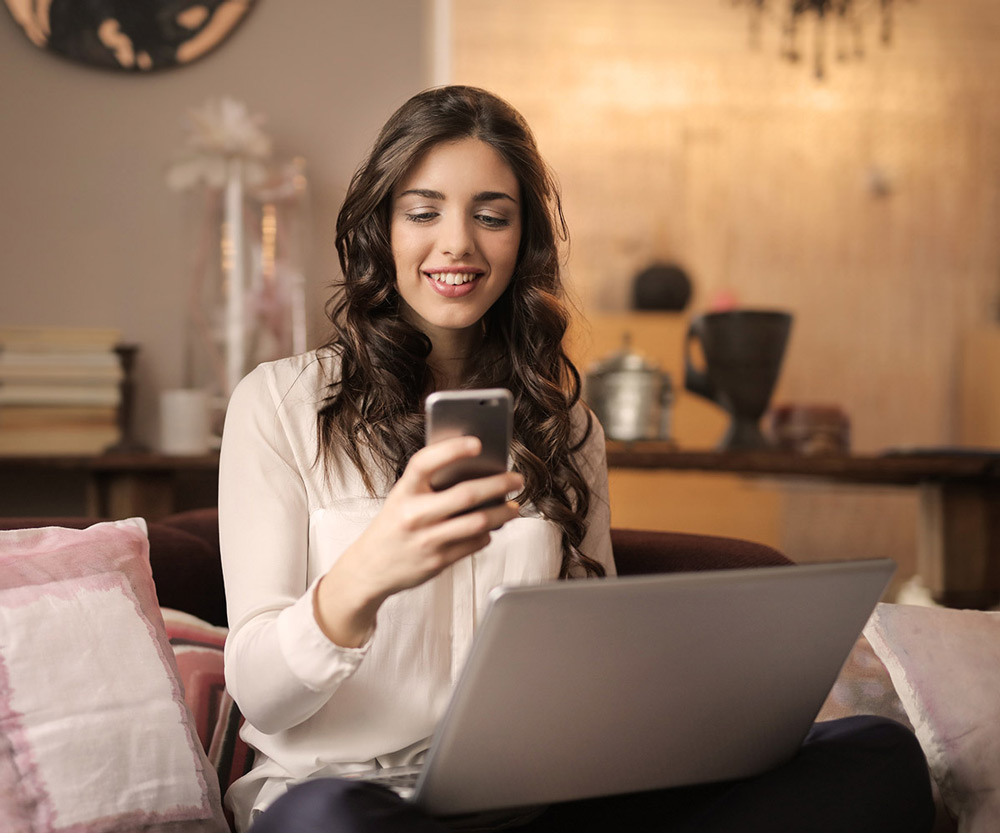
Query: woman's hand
point(416, 535)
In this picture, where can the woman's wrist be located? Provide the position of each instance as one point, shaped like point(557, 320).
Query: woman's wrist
point(346, 616)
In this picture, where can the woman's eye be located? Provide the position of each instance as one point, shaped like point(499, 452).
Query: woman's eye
point(492, 221)
point(421, 216)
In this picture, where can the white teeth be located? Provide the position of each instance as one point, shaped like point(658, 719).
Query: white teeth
point(454, 278)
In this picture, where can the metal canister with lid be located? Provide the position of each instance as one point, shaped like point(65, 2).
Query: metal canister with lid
point(630, 396)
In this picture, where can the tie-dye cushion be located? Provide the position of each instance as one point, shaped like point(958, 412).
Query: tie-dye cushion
point(95, 736)
point(198, 647)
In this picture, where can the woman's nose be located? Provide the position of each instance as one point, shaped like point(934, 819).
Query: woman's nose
point(457, 238)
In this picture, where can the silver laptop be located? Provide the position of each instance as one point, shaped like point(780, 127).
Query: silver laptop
point(576, 689)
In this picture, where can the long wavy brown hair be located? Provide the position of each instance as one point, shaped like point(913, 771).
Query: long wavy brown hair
point(373, 412)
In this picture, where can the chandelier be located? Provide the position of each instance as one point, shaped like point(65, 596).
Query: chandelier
point(820, 22)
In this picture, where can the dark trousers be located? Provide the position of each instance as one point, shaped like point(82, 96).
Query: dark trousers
point(850, 776)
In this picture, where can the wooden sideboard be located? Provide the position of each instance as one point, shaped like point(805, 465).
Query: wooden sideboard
point(125, 485)
point(959, 523)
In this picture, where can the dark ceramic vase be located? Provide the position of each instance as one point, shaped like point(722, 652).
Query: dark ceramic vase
point(664, 287)
point(743, 352)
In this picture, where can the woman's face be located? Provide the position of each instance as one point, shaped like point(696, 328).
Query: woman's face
point(455, 231)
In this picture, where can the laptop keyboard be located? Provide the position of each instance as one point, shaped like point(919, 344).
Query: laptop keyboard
point(399, 779)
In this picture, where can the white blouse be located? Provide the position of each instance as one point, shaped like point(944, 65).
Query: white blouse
point(313, 708)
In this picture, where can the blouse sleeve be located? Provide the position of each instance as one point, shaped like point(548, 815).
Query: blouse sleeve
point(593, 461)
point(280, 667)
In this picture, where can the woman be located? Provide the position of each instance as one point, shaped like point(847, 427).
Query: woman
point(353, 587)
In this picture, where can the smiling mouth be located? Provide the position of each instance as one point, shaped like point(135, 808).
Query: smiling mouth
point(453, 278)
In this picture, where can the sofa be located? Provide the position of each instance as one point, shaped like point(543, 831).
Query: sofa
point(187, 569)
point(175, 583)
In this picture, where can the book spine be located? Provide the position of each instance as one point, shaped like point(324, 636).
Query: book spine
point(57, 376)
point(19, 394)
point(87, 359)
point(68, 440)
point(33, 417)
point(63, 339)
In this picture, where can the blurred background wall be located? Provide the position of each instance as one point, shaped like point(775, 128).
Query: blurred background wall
point(867, 203)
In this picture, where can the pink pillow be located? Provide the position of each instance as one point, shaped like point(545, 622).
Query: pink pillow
point(945, 665)
point(95, 735)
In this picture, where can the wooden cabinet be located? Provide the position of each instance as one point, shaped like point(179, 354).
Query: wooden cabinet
point(116, 485)
point(979, 388)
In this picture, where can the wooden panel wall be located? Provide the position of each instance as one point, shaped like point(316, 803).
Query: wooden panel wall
point(868, 204)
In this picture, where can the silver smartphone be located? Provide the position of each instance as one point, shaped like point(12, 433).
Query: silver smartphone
point(486, 413)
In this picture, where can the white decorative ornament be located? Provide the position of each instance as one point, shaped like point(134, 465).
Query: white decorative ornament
point(248, 300)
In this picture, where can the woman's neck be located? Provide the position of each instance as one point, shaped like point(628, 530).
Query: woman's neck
point(452, 357)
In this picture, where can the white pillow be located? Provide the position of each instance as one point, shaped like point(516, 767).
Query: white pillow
point(945, 665)
point(93, 721)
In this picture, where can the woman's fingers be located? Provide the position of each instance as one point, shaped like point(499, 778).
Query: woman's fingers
point(507, 511)
point(423, 505)
point(430, 458)
point(471, 524)
point(482, 493)
point(464, 535)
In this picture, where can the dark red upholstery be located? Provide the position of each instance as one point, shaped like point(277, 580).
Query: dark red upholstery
point(189, 577)
point(640, 551)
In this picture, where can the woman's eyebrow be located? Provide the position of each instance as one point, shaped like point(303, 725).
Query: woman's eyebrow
point(426, 193)
point(482, 196)
point(489, 196)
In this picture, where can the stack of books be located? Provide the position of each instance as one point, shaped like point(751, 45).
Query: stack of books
point(60, 390)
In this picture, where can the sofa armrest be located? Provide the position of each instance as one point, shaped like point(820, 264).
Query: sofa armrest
point(639, 551)
point(187, 565)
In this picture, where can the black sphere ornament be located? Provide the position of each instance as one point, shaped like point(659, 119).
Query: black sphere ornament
point(662, 286)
